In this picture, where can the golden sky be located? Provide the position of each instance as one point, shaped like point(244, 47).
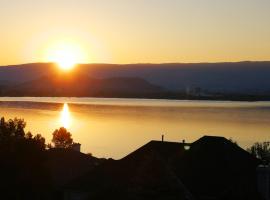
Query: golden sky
point(135, 31)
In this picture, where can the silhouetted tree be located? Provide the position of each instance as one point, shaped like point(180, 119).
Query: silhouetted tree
point(62, 138)
point(39, 141)
point(90, 154)
point(28, 135)
point(261, 150)
point(12, 136)
point(49, 146)
point(21, 161)
point(12, 128)
point(233, 141)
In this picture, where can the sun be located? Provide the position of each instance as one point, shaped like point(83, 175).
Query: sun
point(65, 54)
point(66, 59)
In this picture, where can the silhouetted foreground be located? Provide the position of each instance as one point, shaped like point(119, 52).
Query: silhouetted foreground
point(209, 168)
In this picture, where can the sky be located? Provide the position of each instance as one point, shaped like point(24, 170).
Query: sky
point(135, 31)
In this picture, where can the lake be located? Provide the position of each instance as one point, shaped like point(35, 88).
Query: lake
point(116, 127)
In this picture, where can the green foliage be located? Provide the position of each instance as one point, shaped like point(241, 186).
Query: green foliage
point(261, 150)
point(62, 138)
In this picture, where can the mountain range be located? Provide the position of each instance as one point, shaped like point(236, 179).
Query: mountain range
point(239, 78)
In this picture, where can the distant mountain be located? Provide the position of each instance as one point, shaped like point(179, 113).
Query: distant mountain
point(236, 78)
point(78, 84)
point(3, 82)
point(25, 72)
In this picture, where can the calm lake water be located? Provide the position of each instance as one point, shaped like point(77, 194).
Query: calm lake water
point(116, 127)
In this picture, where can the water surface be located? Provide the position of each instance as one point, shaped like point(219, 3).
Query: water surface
point(116, 127)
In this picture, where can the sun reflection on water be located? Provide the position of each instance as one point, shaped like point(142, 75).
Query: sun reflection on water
point(65, 118)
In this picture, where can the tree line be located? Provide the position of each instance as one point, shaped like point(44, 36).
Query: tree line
point(22, 156)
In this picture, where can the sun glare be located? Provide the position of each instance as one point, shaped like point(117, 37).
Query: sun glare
point(65, 59)
point(65, 54)
point(65, 118)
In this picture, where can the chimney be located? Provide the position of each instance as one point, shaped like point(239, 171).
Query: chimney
point(162, 138)
point(183, 141)
point(76, 147)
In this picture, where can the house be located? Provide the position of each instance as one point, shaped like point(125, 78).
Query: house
point(143, 174)
point(64, 165)
point(209, 168)
point(216, 168)
point(76, 147)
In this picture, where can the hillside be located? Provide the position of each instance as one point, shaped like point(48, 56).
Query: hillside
point(240, 77)
point(78, 84)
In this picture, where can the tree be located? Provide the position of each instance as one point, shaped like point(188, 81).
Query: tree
point(13, 137)
point(12, 128)
point(261, 150)
point(233, 141)
point(22, 160)
point(39, 141)
point(62, 138)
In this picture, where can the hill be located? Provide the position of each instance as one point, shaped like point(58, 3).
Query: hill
point(206, 80)
point(78, 84)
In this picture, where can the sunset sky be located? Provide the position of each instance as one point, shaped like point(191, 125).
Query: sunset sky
point(135, 31)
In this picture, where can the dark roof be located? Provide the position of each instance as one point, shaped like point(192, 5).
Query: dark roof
point(213, 167)
point(65, 165)
point(163, 149)
point(216, 167)
point(143, 174)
